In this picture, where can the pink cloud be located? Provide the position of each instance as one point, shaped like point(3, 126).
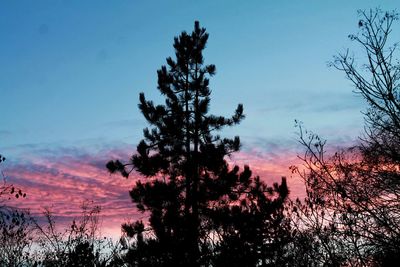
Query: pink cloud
point(271, 166)
point(63, 180)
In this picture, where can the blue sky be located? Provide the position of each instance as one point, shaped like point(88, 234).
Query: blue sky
point(71, 70)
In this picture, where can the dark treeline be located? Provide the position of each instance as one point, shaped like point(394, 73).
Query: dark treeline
point(202, 212)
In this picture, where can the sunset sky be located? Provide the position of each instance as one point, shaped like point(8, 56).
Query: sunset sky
point(72, 71)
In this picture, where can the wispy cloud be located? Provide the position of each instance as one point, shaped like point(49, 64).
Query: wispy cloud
point(63, 178)
point(315, 102)
point(5, 133)
point(271, 159)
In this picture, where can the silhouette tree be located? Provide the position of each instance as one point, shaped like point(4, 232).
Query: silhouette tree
point(16, 236)
point(377, 81)
point(180, 147)
point(352, 199)
point(188, 180)
point(7, 190)
point(80, 244)
point(252, 227)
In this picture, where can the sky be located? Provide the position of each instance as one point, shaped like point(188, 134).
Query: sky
point(72, 72)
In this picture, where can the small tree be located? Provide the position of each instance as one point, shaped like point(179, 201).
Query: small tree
point(16, 236)
point(80, 244)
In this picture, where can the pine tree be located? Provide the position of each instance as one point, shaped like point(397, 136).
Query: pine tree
point(180, 145)
point(188, 180)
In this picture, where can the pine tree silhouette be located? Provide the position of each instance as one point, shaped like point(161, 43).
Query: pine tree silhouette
point(189, 181)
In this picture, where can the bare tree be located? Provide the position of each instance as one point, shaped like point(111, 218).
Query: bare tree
point(352, 204)
point(377, 80)
point(81, 244)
